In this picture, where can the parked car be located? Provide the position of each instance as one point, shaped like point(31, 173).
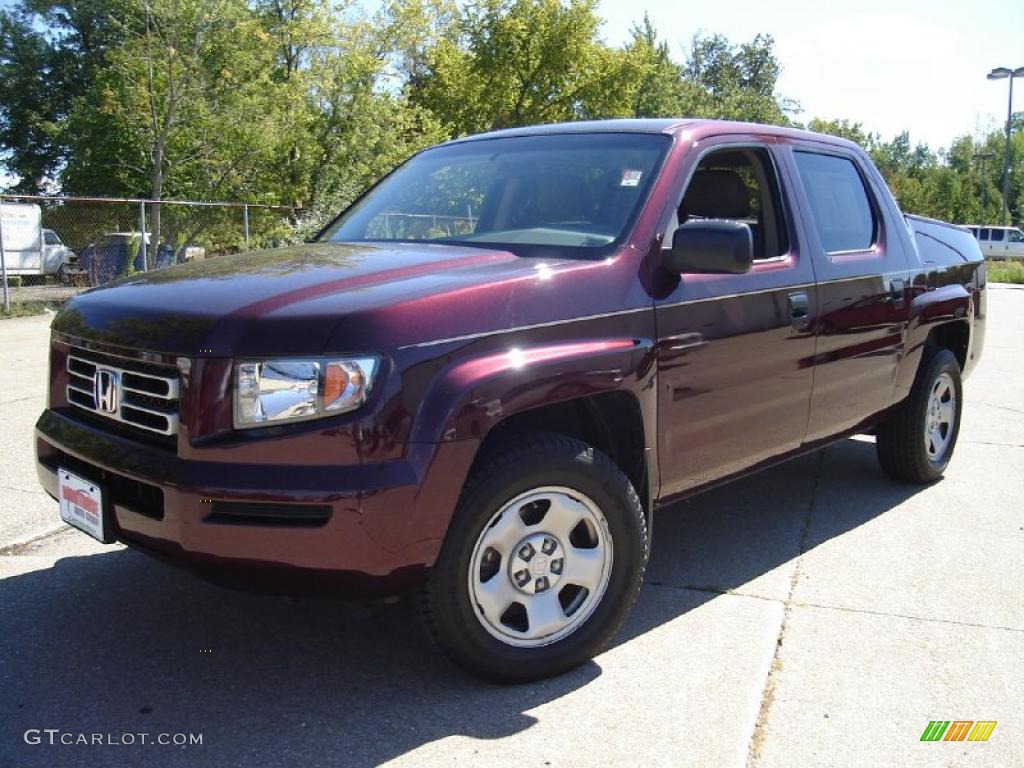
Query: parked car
point(999, 243)
point(488, 375)
point(110, 256)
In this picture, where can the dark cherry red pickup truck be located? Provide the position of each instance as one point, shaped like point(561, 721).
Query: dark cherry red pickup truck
point(484, 377)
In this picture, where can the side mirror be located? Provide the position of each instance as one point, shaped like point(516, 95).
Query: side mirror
point(711, 247)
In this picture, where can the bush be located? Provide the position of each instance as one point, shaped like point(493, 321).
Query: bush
point(1005, 271)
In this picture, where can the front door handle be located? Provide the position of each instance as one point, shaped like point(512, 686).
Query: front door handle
point(898, 291)
point(799, 314)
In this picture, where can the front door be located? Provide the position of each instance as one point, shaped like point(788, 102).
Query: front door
point(734, 351)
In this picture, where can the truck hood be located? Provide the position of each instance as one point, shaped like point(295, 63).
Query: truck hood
point(283, 301)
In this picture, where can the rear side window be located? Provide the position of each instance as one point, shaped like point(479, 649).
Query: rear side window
point(984, 235)
point(997, 235)
point(839, 202)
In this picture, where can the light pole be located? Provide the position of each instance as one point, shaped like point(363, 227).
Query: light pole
point(1000, 73)
point(980, 158)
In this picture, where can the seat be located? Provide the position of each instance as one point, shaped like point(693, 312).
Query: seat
point(720, 194)
point(715, 194)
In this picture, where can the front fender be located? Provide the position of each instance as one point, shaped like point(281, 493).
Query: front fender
point(471, 396)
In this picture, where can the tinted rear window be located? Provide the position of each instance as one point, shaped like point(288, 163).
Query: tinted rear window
point(997, 235)
point(839, 203)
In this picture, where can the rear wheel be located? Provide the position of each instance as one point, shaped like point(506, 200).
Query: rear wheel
point(916, 444)
point(542, 562)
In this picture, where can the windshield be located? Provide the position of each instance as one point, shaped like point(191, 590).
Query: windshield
point(570, 195)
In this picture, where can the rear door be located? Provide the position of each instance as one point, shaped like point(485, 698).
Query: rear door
point(734, 351)
point(863, 273)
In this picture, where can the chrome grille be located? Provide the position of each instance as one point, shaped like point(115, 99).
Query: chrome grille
point(124, 392)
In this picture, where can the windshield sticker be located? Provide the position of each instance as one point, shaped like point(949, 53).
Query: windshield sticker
point(631, 178)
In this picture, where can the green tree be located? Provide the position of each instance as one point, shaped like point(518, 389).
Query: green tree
point(734, 82)
point(49, 52)
point(844, 129)
point(517, 62)
point(659, 90)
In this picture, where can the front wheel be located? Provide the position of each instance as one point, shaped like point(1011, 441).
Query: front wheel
point(542, 562)
point(916, 444)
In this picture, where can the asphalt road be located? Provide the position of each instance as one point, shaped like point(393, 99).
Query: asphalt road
point(816, 614)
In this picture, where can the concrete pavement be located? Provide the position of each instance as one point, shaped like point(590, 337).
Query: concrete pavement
point(816, 614)
point(25, 511)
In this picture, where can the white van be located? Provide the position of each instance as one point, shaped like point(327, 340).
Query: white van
point(999, 242)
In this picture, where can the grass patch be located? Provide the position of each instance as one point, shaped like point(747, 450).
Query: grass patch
point(1005, 271)
point(28, 308)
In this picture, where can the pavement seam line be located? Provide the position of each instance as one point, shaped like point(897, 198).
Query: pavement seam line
point(755, 745)
point(801, 604)
point(20, 490)
point(20, 399)
point(998, 445)
point(17, 547)
point(999, 407)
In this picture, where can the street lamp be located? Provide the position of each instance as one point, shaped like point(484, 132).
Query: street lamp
point(999, 73)
point(980, 158)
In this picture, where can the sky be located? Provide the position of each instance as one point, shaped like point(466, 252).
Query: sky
point(895, 65)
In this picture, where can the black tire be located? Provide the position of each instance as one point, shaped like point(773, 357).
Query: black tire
point(903, 449)
point(531, 461)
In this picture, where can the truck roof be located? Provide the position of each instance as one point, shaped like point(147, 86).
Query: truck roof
point(696, 128)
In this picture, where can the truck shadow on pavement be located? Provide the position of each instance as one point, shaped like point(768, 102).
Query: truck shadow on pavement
point(116, 643)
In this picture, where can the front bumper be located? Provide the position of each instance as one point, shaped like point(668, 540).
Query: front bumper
point(377, 527)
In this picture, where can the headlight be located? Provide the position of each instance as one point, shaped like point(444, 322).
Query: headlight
point(276, 391)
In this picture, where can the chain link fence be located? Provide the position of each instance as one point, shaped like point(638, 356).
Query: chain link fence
point(54, 247)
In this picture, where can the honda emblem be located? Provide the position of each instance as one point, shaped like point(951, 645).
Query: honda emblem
point(105, 390)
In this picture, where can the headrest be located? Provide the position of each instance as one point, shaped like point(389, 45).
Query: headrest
point(716, 194)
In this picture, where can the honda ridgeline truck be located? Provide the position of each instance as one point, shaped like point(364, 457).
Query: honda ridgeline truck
point(483, 379)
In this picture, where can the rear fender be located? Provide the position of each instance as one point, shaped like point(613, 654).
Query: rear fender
point(930, 309)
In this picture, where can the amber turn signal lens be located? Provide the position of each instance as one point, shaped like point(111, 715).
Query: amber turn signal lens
point(335, 381)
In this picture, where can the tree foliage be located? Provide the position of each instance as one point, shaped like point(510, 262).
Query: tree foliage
point(307, 102)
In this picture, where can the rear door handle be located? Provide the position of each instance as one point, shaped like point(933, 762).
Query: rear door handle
point(799, 314)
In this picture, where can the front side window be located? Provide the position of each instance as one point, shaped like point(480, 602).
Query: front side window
point(997, 235)
point(1015, 236)
point(50, 238)
point(571, 195)
point(737, 184)
point(839, 202)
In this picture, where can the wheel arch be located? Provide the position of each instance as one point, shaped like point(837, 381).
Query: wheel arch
point(942, 318)
point(612, 422)
point(599, 391)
